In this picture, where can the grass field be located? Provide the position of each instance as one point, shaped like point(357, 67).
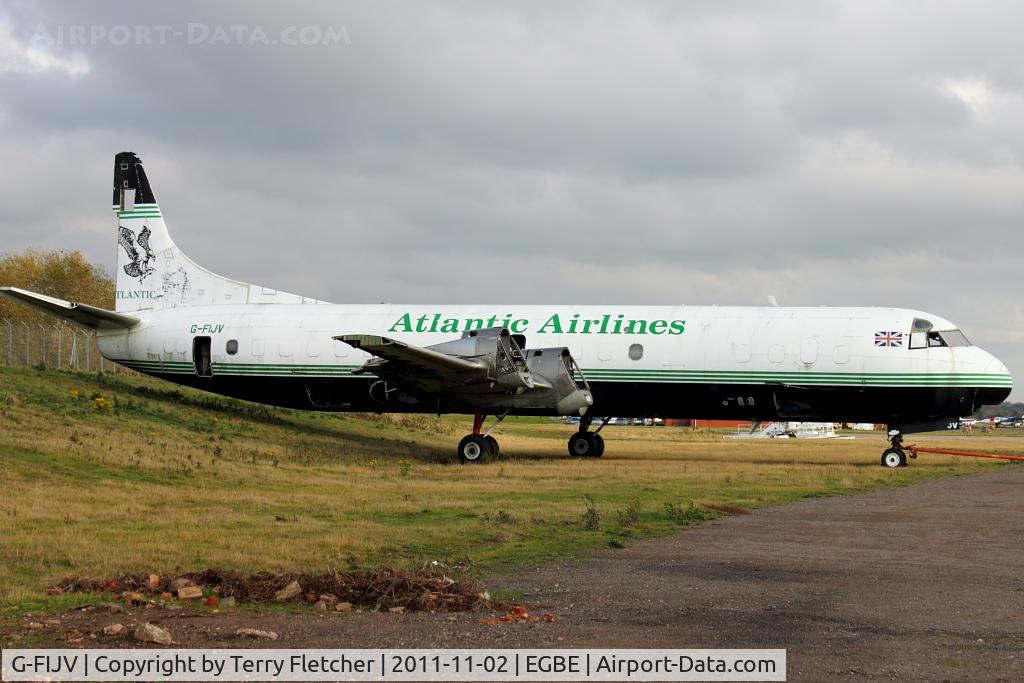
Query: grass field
point(108, 474)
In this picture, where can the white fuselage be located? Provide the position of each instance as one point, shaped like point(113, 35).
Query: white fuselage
point(724, 347)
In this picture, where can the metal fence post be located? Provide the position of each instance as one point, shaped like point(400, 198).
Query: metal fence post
point(88, 348)
point(43, 347)
point(28, 343)
point(10, 342)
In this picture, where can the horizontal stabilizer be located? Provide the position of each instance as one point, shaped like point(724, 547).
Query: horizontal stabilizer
point(400, 352)
point(83, 314)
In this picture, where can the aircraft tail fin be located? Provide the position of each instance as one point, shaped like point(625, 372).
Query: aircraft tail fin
point(152, 272)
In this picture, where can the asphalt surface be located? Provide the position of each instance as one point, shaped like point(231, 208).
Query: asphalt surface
point(918, 583)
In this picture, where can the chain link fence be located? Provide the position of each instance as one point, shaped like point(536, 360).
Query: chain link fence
point(55, 345)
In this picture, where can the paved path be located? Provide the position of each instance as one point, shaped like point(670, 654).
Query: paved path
point(917, 583)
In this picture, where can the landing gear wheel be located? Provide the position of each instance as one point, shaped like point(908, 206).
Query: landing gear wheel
point(598, 446)
point(581, 445)
point(473, 449)
point(894, 457)
point(492, 443)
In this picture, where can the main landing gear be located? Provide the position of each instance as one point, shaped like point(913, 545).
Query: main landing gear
point(894, 456)
point(584, 444)
point(477, 447)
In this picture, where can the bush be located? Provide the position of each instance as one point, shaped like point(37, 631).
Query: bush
point(691, 514)
point(591, 517)
point(503, 517)
point(630, 517)
point(102, 403)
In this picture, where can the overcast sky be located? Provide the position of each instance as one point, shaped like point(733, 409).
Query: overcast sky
point(832, 153)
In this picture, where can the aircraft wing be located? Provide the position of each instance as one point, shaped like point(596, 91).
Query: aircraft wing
point(411, 359)
point(83, 314)
point(484, 369)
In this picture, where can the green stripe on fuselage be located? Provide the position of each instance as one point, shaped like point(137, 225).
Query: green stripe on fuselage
point(629, 375)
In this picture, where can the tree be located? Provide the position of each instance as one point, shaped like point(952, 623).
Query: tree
point(66, 275)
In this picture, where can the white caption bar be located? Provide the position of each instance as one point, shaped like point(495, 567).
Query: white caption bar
point(393, 665)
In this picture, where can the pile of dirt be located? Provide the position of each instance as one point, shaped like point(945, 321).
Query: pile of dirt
point(517, 614)
point(377, 589)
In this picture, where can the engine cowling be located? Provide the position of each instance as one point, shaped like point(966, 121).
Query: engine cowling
point(538, 380)
point(566, 385)
point(496, 350)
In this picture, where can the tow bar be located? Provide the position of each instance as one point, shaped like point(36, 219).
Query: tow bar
point(914, 450)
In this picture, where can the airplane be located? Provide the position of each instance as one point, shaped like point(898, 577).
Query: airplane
point(178, 321)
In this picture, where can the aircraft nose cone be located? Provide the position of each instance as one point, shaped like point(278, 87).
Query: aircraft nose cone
point(994, 395)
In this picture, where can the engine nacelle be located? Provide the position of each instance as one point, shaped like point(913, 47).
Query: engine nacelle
point(568, 387)
point(497, 351)
point(538, 380)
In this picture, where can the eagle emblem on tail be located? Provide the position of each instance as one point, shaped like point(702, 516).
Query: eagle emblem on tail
point(141, 263)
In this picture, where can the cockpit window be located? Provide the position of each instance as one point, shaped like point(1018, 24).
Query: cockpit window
point(936, 339)
point(954, 338)
point(921, 325)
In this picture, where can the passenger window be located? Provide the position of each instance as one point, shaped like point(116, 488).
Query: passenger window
point(232, 347)
point(841, 355)
point(809, 351)
point(636, 351)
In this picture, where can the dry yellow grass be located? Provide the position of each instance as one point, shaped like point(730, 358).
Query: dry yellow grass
point(159, 482)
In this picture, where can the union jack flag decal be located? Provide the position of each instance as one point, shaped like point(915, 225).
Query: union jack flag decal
point(889, 339)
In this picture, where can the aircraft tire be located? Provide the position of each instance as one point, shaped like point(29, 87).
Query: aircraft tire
point(473, 449)
point(492, 443)
point(893, 458)
point(598, 445)
point(581, 445)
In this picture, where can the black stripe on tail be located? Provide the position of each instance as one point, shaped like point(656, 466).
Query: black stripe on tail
point(129, 175)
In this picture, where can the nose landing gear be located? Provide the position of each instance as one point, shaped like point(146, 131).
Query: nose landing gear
point(895, 456)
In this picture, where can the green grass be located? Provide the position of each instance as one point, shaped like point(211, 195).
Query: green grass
point(157, 478)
